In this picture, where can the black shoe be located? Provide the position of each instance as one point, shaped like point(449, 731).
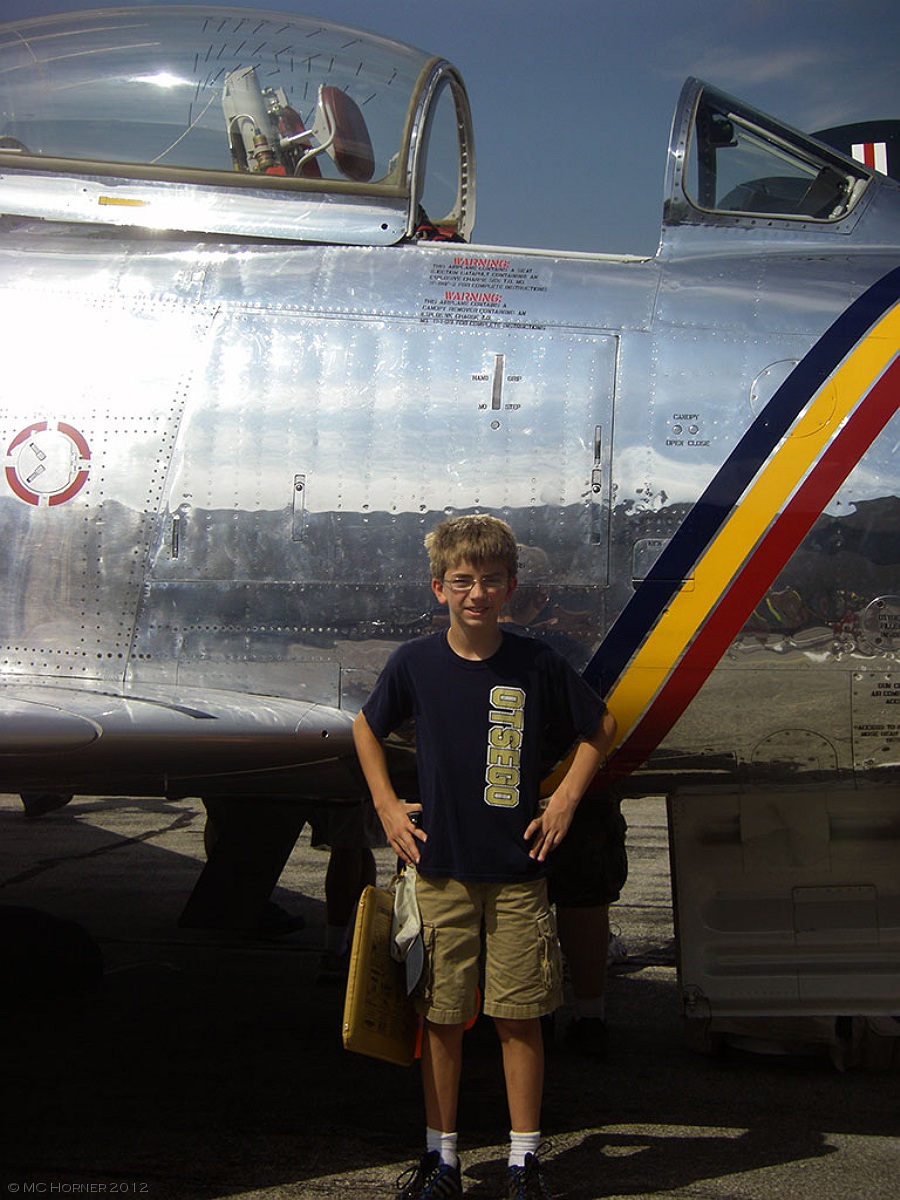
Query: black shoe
point(526, 1183)
point(589, 1036)
point(430, 1179)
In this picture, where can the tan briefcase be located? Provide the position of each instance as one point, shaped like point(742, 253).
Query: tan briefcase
point(379, 1018)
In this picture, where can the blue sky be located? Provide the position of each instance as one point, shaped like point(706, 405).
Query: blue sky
point(572, 100)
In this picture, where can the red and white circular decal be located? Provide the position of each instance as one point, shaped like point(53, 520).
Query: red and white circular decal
point(47, 463)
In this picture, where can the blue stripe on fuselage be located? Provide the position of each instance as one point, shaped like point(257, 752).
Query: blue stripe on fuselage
point(711, 511)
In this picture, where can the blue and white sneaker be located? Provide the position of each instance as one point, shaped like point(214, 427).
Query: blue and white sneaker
point(430, 1179)
point(527, 1183)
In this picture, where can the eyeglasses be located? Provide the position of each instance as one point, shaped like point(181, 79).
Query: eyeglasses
point(464, 583)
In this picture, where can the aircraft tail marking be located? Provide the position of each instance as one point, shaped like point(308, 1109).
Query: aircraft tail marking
point(761, 569)
point(749, 521)
point(873, 154)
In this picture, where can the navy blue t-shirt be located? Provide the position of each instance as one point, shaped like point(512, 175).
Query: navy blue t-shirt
point(484, 729)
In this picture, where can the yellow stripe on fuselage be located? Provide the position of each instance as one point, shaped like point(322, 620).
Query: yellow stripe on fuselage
point(759, 506)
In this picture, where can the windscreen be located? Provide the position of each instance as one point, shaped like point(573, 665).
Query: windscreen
point(740, 162)
point(209, 89)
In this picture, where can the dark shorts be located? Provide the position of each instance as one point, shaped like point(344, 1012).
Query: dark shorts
point(591, 865)
point(351, 825)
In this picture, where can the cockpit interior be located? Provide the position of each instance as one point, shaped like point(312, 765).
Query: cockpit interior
point(242, 111)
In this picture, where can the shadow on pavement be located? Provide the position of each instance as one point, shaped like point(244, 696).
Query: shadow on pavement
point(208, 1065)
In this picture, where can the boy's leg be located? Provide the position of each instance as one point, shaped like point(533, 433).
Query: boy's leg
point(348, 872)
point(451, 921)
point(441, 1068)
point(348, 832)
point(523, 1070)
point(523, 982)
point(586, 876)
point(584, 936)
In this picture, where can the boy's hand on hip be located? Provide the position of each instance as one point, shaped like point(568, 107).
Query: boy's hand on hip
point(549, 829)
point(402, 834)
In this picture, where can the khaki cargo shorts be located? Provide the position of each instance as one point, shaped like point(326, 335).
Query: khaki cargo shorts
point(514, 927)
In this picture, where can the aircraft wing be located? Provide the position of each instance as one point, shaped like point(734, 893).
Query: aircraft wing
point(183, 744)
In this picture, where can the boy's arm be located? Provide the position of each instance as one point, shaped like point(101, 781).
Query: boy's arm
point(549, 829)
point(392, 811)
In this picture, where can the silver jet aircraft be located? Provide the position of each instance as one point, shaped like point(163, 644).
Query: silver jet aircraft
point(252, 355)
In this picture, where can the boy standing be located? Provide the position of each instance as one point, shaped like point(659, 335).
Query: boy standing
point(488, 707)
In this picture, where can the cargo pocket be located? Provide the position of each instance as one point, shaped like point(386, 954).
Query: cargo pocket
point(424, 989)
point(549, 953)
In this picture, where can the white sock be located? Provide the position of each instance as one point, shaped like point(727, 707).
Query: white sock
point(521, 1144)
point(444, 1143)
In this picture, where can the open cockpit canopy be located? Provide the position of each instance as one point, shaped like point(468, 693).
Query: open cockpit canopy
point(230, 120)
point(730, 164)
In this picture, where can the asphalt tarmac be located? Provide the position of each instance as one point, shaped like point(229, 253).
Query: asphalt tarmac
point(205, 1066)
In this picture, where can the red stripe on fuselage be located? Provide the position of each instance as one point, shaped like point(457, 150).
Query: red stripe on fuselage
point(760, 571)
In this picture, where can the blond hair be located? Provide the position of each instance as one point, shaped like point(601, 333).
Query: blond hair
point(476, 538)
